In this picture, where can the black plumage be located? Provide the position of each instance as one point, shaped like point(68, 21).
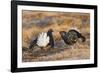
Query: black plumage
point(49, 33)
point(51, 41)
point(33, 43)
point(72, 36)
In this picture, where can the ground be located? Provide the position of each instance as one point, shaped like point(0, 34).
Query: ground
point(35, 22)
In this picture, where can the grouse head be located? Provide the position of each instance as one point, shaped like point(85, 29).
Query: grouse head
point(62, 33)
point(50, 30)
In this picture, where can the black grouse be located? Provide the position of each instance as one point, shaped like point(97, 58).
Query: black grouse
point(43, 40)
point(72, 36)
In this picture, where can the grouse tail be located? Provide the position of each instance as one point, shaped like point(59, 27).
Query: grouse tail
point(32, 43)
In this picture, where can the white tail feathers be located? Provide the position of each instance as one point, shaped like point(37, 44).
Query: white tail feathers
point(43, 39)
point(75, 28)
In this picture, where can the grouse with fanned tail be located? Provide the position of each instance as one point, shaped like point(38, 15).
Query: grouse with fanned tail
point(44, 39)
point(72, 36)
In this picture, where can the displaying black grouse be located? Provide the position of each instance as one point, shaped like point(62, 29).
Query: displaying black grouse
point(72, 36)
point(43, 40)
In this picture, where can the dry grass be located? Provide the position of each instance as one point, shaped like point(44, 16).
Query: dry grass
point(58, 22)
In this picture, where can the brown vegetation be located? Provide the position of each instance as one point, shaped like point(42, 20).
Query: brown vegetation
point(35, 22)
